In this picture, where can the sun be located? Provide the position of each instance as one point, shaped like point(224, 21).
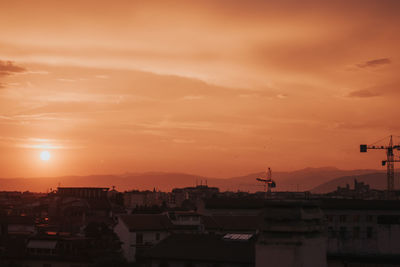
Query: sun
point(45, 155)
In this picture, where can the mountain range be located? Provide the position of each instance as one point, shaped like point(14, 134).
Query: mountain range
point(317, 180)
point(374, 180)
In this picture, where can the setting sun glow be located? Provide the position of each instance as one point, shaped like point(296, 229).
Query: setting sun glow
point(45, 155)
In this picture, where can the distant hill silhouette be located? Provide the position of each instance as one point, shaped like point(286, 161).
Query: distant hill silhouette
point(374, 180)
point(304, 179)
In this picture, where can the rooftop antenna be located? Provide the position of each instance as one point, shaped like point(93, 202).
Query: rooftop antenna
point(268, 183)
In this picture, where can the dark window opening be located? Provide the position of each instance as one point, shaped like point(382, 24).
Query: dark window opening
point(342, 232)
point(331, 232)
point(139, 238)
point(356, 232)
point(369, 232)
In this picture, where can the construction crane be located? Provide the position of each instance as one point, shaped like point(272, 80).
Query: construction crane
point(268, 183)
point(389, 162)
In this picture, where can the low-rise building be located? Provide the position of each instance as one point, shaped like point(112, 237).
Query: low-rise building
point(202, 250)
point(292, 234)
point(10, 225)
point(358, 228)
point(194, 194)
point(223, 224)
point(136, 198)
point(83, 192)
point(138, 232)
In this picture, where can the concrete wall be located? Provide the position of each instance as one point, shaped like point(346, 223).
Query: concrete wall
point(125, 237)
point(133, 199)
point(372, 238)
point(172, 263)
point(301, 252)
point(128, 239)
point(21, 228)
point(42, 263)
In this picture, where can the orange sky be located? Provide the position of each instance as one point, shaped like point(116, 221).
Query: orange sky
point(216, 88)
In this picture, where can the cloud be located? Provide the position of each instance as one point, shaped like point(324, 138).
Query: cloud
point(363, 93)
point(377, 90)
point(368, 124)
point(38, 143)
point(374, 63)
point(30, 118)
point(66, 80)
point(102, 76)
point(42, 72)
point(281, 96)
point(193, 97)
point(8, 68)
point(183, 141)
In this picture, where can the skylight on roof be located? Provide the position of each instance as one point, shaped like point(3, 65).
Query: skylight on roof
point(238, 237)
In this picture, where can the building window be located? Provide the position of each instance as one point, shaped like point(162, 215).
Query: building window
point(356, 232)
point(329, 218)
point(356, 218)
point(342, 232)
point(331, 232)
point(370, 218)
point(342, 218)
point(369, 232)
point(157, 236)
point(139, 238)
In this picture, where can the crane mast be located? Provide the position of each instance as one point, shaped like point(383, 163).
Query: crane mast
point(390, 166)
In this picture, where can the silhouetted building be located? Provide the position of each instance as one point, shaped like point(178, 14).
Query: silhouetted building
point(83, 192)
point(292, 234)
point(223, 224)
point(231, 206)
point(359, 191)
point(136, 198)
point(362, 230)
point(202, 250)
point(186, 221)
point(138, 232)
point(194, 194)
point(23, 225)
